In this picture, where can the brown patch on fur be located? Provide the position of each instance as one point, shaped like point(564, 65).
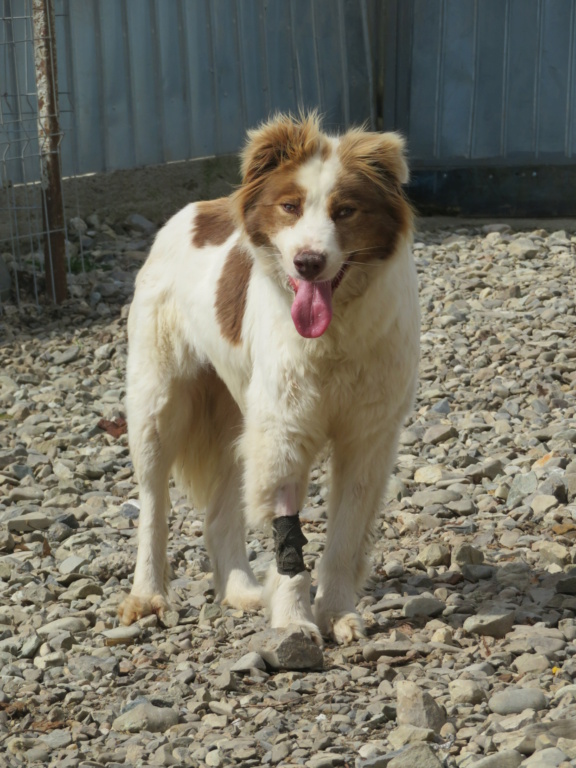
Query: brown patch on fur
point(266, 216)
point(214, 222)
point(231, 294)
point(282, 144)
point(373, 171)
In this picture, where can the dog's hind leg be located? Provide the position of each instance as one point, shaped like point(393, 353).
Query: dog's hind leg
point(225, 538)
point(210, 471)
point(157, 420)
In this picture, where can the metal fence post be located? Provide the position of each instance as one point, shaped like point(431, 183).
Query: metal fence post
point(49, 141)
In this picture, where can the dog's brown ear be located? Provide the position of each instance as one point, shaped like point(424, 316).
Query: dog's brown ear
point(283, 139)
point(381, 156)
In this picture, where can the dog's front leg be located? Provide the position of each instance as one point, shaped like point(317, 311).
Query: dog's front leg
point(359, 475)
point(287, 592)
point(276, 472)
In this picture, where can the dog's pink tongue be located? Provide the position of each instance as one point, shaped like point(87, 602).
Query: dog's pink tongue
point(312, 308)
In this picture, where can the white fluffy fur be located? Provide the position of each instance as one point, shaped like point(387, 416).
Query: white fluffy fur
point(351, 388)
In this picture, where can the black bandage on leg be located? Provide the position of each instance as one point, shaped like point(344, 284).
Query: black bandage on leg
point(288, 543)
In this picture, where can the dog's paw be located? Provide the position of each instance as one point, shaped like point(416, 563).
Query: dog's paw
point(287, 601)
point(244, 598)
point(308, 628)
point(345, 627)
point(135, 607)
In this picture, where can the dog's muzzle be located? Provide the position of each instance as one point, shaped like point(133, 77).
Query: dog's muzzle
point(288, 543)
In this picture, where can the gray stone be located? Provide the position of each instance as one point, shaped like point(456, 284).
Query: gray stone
point(493, 623)
point(72, 624)
point(249, 661)
point(376, 650)
point(490, 469)
point(38, 755)
point(419, 755)
point(477, 573)
point(57, 739)
point(514, 700)
point(141, 224)
point(50, 660)
point(30, 646)
point(522, 486)
point(422, 605)
point(523, 248)
point(288, 648)
point(554, 730)
point(434, 554)
point(531, 662)
point(377, 761)
point(430, 474)
point(506, 759)
point(409, 734)
point(439, 433)
point(466, 692)
point(429, 497)
point(466, 554)
point(32, 521)
point(69, 355)
point(122, 635)
point(545, 758)
point(567, 584)
point(415, 706)
point(325, 760)
point(144, 715)
point(209, 613)
point(6, 541)
point(72, 564)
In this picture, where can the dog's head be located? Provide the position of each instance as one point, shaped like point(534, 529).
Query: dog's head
point(317, 208)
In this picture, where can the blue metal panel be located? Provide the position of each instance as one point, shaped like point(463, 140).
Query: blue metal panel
point(490, 81)
point(228, 83)
point(253, 61)
point(523, 47)
point(553, 76)
point(142, 68)
point(279, 56)
point(85, 56)
point(305, 55)
point(69, 144)
point(570, 144)
point(358, 77)
point(456, 79)
point(327, 25)
point(115, 86)
point(469, 81)
point(489, 109)
point(422, 121)
point(201, 77)
point(172, 75)
point(18, 103)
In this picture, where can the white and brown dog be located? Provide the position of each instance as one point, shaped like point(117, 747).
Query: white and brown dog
point(264, 326)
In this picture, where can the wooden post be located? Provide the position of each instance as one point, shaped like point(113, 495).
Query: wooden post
point(49, 141)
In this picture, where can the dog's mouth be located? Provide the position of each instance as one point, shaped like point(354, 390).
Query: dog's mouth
point(312, 305)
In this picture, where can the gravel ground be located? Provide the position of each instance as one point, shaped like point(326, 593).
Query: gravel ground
point(471, 607)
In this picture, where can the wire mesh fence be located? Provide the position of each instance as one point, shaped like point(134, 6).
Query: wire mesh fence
point(33, 259)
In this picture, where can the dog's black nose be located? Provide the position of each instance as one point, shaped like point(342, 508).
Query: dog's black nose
point(309, 264)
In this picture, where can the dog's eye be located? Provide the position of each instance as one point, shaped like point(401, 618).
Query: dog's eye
point(345, 212)
point(289, 207)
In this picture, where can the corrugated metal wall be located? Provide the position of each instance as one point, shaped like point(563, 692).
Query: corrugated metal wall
point(470, 82)
point(481, 82)
point(153, 81)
